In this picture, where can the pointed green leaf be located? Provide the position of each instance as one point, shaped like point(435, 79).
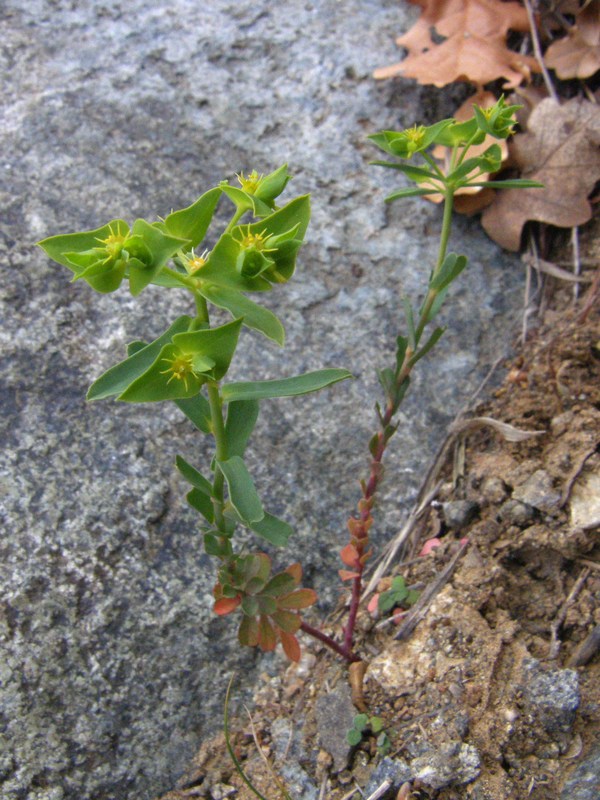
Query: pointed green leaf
point(296, 212)
point(401, 193)
point(218, 344)
point(436, 305)
point(254, 315)
point(202, 503)
point(433, 340)
point(273, 529)
point(197, 410)
point(241, 419)
point(242, 492)
point(285, 387)
point(415, 174)
point(57, 246)
point(162, 381)
point(192, 223)
point(115, 380)
point(161, 247)
point(410, 321)
point(516, 183)
point(217, 546)
point(451, 268)
point(245, 201)
point(192, 476)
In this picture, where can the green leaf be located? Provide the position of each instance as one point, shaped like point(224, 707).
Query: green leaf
point(285, 387)
point(250, 606)
point(410, 321)
point(242, 492)
point(360, 722)
point(254, 316)
point(386, 601)
point(245, 201)
point(192, 223)
point(192, 476)
point(162, 381)
point(241, 419)
point(58, 246)
point(433, 340)
point(197, 410)
point(161, 247)
point(353, 737)
point(217, 344)
point(451, 268)
point(199, 500)
point(415, 174)
point(217, 546)
point(436, 305)
point(282, 583)
point(401, 193)
point(296, 212)
point(516, 183)
point(273, 529)
point(115, 380)
point(376, 724)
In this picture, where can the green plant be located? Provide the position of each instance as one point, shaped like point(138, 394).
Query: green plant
point(363, 725)
point(397, 595)
point(188, 362)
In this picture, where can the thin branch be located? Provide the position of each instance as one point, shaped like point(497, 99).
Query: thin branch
point(555, 642)
point(538, 52)
point(576, 260)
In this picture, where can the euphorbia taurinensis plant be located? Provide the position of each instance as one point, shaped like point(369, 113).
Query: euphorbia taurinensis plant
point(189, 361)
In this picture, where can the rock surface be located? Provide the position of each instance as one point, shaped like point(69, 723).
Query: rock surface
point(107, 671)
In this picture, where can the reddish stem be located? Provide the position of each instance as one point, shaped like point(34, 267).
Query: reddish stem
point(329, 642)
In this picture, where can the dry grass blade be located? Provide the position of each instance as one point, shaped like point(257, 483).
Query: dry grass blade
point(549, 268)
point(508, 432)
point(277, 780)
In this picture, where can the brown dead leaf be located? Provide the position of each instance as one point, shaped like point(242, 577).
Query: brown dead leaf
point(562, 150)
point(578, 54)
point(474, 48)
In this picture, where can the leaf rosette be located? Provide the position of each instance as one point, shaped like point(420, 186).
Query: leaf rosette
point(270, 604)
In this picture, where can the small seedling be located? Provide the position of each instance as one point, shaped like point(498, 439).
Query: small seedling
point(397, 595)
point(364, 725)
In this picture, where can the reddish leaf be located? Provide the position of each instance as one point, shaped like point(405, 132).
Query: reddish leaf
point(290, 646)
point(266, 635)
point(345, 575)
point(301, 598)
point(295, 570)
point(248, 632)
point(287, 621)
point(349, 555)
point(226, 605)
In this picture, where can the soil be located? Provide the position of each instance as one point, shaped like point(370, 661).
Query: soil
point(500, 677)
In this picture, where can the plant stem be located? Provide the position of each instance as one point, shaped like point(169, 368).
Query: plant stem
point(444, 236)
point(238, 214)
point(359, 526)
point(218, 430)
point(341, 650)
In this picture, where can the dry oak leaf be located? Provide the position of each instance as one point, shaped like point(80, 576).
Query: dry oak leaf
point(578, 54)
point(562, 150)
point(474, 47)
